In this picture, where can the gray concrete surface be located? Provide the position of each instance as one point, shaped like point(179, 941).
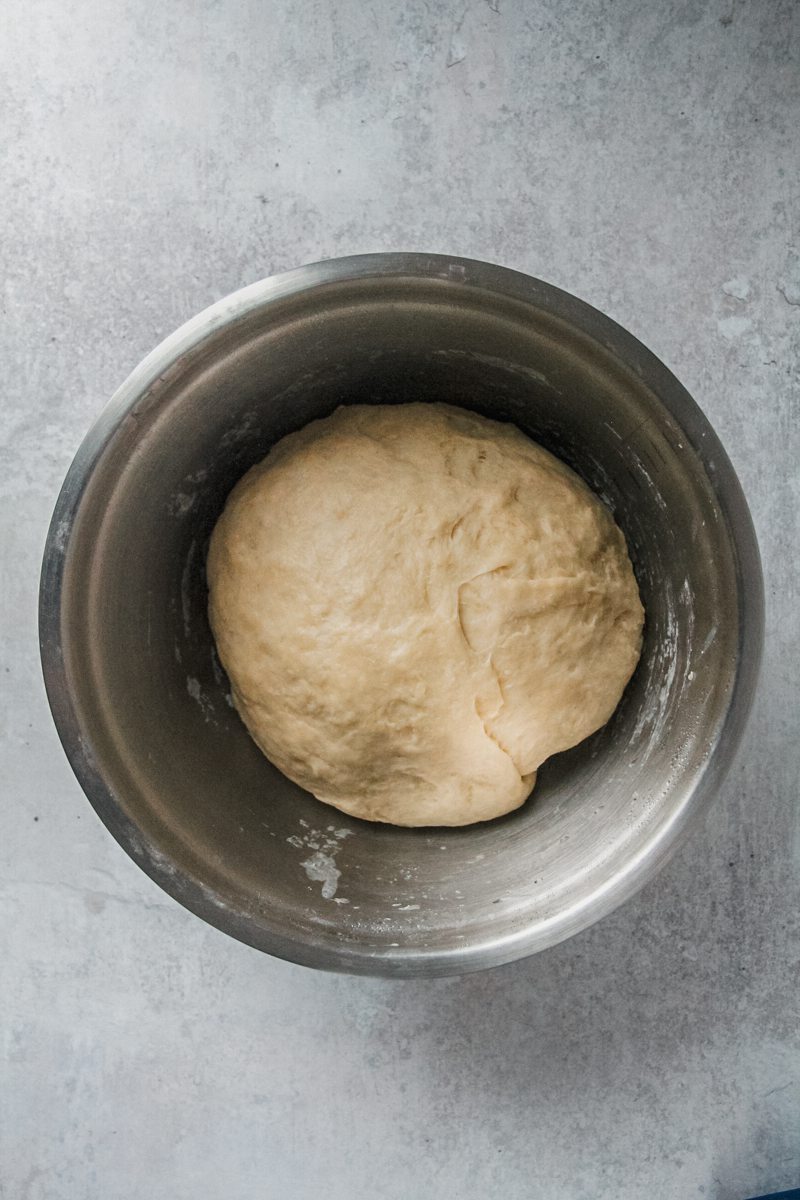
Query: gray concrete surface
point(155, 156)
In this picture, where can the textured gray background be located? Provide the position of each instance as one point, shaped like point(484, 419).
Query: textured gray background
point(156, 155)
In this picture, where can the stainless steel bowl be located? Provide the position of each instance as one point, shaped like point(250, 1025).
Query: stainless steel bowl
point(142, 705)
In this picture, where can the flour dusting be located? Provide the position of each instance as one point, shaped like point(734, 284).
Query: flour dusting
point(321, 866)
point(322, 869)
point(61, 535)
point(198, 695)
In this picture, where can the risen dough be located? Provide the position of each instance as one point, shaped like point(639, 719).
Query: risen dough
point(416, 606)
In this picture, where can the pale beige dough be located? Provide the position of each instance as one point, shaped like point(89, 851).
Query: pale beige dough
point(416, 607)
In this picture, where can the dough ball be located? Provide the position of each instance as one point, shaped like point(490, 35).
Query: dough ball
point(416, 607)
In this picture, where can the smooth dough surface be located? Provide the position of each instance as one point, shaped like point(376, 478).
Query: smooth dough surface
point(417, 606)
